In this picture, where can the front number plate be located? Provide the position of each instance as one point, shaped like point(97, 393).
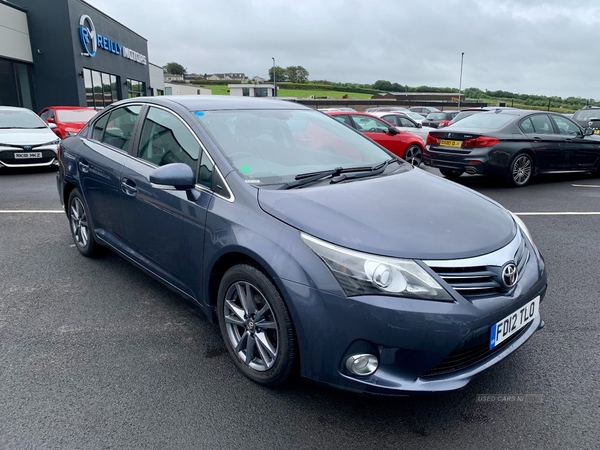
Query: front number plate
point(514, 322)
point(449, 143)
point(28, 155)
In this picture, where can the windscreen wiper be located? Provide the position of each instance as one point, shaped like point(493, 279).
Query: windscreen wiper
point(338, 174)
point(370, 172)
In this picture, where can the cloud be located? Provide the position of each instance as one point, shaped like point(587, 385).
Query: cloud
point(526, 46)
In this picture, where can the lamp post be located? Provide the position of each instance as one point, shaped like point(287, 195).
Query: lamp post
point(462, 55)
point(274, 80)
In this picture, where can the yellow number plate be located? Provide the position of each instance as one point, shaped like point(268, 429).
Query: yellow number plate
point(596, 131)
point(448, 143)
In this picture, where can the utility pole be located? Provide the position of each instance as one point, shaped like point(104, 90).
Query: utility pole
point(462, 55)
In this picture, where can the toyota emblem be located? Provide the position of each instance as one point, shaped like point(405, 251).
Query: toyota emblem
point(27, 148)
point(509, 274)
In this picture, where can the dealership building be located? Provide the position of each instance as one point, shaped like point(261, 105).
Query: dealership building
point(66, 52)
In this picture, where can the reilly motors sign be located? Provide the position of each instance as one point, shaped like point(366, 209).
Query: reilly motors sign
point(91, 41)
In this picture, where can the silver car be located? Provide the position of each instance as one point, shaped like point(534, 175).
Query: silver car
point(403, 122)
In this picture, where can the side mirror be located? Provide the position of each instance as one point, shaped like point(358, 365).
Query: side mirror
point(177, 175)
point(50, 119)
point(393, 131)
point(52, 126)
point(419, 125)
point(588, 132)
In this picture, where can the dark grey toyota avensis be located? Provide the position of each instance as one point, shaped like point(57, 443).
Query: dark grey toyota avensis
point(314, 248)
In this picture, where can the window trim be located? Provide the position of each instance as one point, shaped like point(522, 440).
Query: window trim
point(134, 134)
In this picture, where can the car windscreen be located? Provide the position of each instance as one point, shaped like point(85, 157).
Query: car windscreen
point(17, 118)
point(273, 146)
point(485, 121)
point(75, 115)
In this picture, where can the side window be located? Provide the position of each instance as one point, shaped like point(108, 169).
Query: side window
point(119, 128)
point(542, 124)
point(527, 126)
point(344, 119)
point(370, 124)
point(165, 140)
point(99, 127)
point(46, 114)
point(565, 126)
point(205, 171)
point(393, 120)
point(406, 123)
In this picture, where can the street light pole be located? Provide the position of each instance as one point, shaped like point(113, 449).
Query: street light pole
point(462, 55)
point(274, 80)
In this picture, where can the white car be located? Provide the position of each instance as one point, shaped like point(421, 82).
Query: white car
point(25, 139)
point(403, 122)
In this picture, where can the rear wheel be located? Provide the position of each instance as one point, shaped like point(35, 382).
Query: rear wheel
point(451, 173)
point(256, 326)
point(414, 155)
point(520, 171)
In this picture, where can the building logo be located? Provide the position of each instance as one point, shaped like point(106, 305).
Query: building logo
point(87, 36)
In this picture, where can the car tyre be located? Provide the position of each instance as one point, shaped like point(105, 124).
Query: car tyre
point(256, 326)
point(81, 225)
point(451, 174)
point(520, 170)
point(414, 155)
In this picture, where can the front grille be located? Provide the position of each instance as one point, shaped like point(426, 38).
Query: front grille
point(485, 279)
point(462, 359)
point(8, 157)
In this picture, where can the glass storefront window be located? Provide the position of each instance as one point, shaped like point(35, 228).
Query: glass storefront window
point(100, 88)
point(15, 84)
point(135, 88)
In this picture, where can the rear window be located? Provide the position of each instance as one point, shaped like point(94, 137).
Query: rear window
point(587, 114)
point(436, 116)
point(486, 121)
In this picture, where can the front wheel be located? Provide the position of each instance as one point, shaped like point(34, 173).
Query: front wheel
point(81, 226)
point(414, 155)
point(256, 326)
point(520, 170)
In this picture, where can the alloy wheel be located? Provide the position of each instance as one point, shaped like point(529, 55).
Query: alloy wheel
point(79, 223)
point(251, 326)
point(521, 171)
point(414, 155)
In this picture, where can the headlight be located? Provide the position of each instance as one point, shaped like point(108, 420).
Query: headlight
point(523, 228)
point(364, 274)
point(71, 133)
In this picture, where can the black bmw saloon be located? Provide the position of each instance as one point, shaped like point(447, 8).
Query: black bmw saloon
point(514, 144)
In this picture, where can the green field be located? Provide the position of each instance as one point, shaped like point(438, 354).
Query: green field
point(299, 93)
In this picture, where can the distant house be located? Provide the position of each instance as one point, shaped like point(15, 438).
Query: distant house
point(184, 89)
point(251, 90)
point(192, 76)
point(238, 76)
point(170, 77)
point(258, 79)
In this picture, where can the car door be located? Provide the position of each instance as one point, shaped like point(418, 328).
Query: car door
point(580, 152)
point(546, 142)
point(164, 227)
point(100, 159)
point(378, 130)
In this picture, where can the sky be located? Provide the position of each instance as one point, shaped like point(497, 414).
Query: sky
point(523, 46)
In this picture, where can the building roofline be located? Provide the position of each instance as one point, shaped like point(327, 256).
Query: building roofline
point(12, 5)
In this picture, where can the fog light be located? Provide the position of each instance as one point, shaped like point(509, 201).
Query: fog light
point(362, 364)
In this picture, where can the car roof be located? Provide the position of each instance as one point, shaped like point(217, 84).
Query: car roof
point(14, 108)
point(216, 102)
point(68, 107)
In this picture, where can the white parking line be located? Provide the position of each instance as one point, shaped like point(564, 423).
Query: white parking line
point(586, 185)
point(30, 211)
point(595, 213)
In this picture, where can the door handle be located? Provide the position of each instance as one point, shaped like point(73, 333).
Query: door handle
point(537, 139)
point(128, 187)
point(569, 140)
point(84, 167)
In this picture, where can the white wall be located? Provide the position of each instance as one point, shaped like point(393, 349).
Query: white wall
point(157, 80)
point(236, 89)
point(14, 34)
point(183, 89)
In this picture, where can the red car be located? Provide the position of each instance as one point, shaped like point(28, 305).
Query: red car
point(68, 119)
point(405, 145)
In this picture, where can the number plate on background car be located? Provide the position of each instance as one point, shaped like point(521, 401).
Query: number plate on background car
point(448, 143)
point(596, 131)
point(28, 155)
point(514, 322)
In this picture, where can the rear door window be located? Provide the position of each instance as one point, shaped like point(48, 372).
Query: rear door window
point(119, 129)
